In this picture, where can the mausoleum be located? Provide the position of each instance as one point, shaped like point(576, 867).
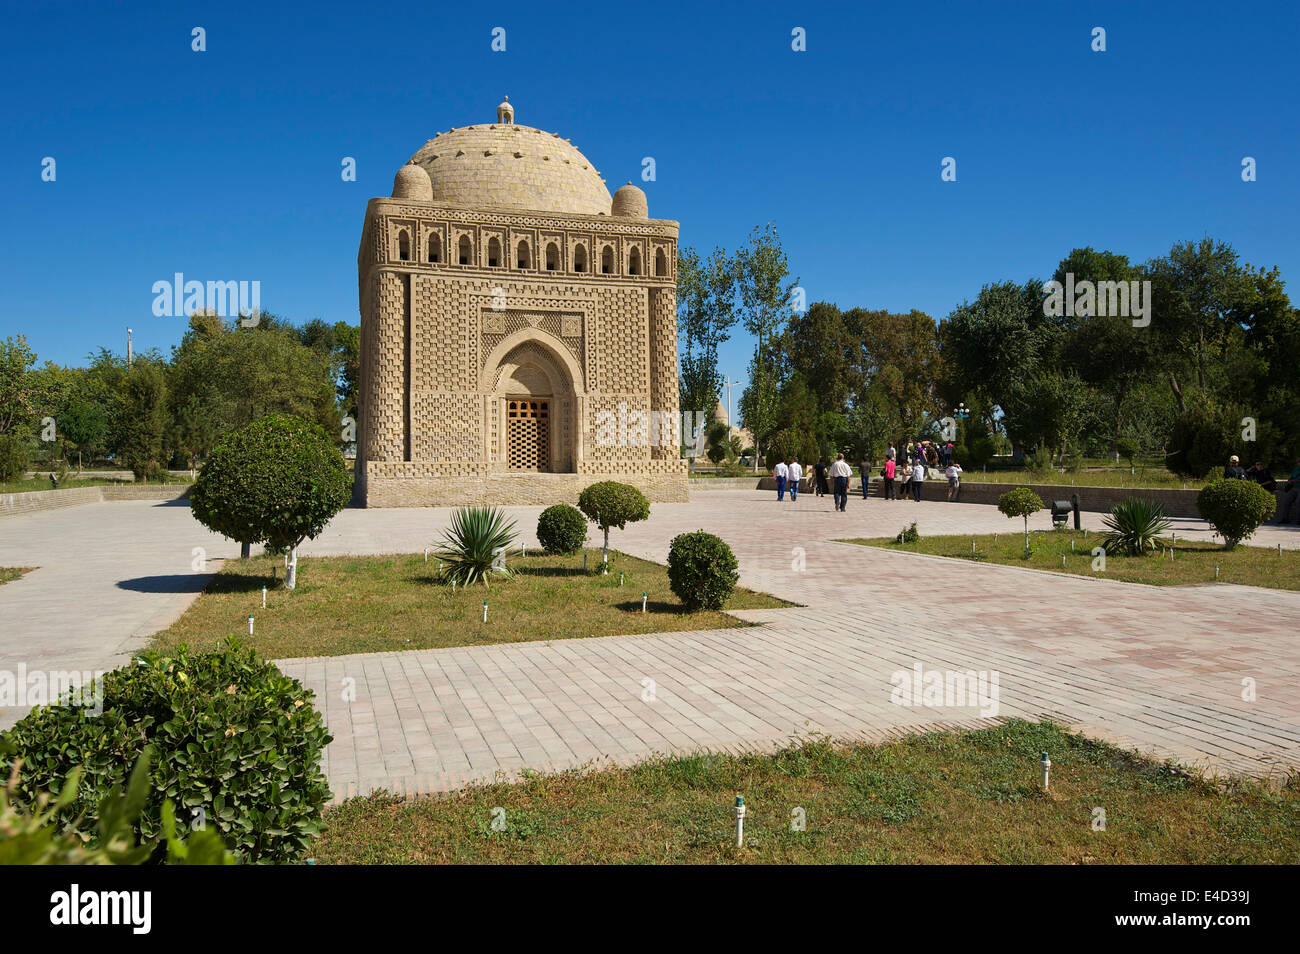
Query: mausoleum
point(518, 328)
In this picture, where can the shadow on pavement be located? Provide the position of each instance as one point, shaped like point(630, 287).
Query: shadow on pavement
point(171, 583)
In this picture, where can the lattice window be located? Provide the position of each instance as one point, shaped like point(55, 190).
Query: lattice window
point(528, 434)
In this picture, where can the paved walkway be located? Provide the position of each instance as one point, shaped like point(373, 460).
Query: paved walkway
point(1156, 668)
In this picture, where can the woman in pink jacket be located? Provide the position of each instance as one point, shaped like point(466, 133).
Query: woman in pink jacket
point(891, 470)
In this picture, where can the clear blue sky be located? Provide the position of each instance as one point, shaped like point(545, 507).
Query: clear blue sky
point(225, 164)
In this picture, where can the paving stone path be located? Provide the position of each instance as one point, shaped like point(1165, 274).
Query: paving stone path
point(1159, 669)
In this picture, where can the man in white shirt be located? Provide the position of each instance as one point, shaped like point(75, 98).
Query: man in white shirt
point(918, 479)
point(840, 472)
point(796, 475)
point(781, 473)
point(953, 473)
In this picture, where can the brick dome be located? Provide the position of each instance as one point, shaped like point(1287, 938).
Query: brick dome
point(412, 182)
point(629, 202)
point(508, 166)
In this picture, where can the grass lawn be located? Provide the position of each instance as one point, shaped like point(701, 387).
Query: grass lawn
point(1191, 563)
point(8, 573)
point(26, 486)
point(1089, 476)
point(959, 798)
point(377, 604)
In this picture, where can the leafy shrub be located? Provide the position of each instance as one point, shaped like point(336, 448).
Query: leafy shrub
point(35, 836)
point(1135, 524)
point(1203, 438)
point(561, 529)
point(235, 740)
point(611, 505)
point(908, 534)
point(474, 546)
point(1020, 502)
point(1039, 460)
point(13, 457)
point(701, 570)
point(277, 481)
point(1128, 448)
point(1235, 508)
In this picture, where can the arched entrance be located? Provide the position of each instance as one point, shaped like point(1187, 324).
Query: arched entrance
point(535, 403)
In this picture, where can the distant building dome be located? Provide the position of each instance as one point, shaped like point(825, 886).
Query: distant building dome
point(509, 166)
point(412, 182)
point(719, 412)
point(629, 203)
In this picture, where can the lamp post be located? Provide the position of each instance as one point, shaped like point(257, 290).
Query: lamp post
point(128, 347)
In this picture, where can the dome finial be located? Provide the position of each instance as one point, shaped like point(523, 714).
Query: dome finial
point(505, 112)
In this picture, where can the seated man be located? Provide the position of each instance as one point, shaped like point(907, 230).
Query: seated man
point(1288, 498)
point(1261, 475)
point(1233, 471)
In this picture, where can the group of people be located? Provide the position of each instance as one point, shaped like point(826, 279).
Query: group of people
point(1287, 495)
point(788, 474)
point(901, 479)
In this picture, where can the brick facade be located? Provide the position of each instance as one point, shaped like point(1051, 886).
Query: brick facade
point(476, 288)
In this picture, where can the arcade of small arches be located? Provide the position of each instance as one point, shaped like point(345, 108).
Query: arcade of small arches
point(523, 258)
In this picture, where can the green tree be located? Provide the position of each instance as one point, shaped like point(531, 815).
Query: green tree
point(278, 481)
point(1020, 502)
point(611, 505)
point(706, 313)
point(765, 288)
point(142, 418)
point(17, 387)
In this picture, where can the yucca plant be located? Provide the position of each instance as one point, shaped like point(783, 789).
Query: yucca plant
point(474, 546)
point(1135, 524)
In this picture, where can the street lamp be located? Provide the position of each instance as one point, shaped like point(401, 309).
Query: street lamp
point(962, 411)
point(128, 347)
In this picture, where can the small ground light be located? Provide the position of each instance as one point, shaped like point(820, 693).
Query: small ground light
point(1062, 560)
point(250, 624)
point(620, 577)
point(1046, 764)
point(584, 563)
point(264, 597)
point(644, 597)
point(740, 821)
point(485, 611)
point(1216, 571)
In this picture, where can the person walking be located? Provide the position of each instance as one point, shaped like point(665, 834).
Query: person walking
point(953, 473)
point(918, 479)
point(796, 475)
point(819, 478)
point(888, 475)
point(782, 473)
point(840, 471)
point(864, 471)
point(891, 454)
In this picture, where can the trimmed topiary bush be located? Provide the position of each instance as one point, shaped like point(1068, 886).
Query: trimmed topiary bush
point(908, 534)
point(238, 745)
point(562, 529)
point(1021, 502)
point(277, 481)
point(609, 504)
point(701, 570)
point(1235, 508)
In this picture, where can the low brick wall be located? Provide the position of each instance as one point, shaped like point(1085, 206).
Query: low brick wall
point(508, 489)
point(37, 500)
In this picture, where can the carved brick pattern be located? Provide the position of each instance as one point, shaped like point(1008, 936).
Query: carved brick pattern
point(499, 325)
point(445, 356)
point(445, 426)
point(664, 393)
point(622, 363)
point(384, 416)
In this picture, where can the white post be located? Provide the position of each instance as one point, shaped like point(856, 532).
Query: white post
point(264, 597)
point(250, 624)
point(485, 611)
point(1046, 764)
point(740, 822)
point(643, 600)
